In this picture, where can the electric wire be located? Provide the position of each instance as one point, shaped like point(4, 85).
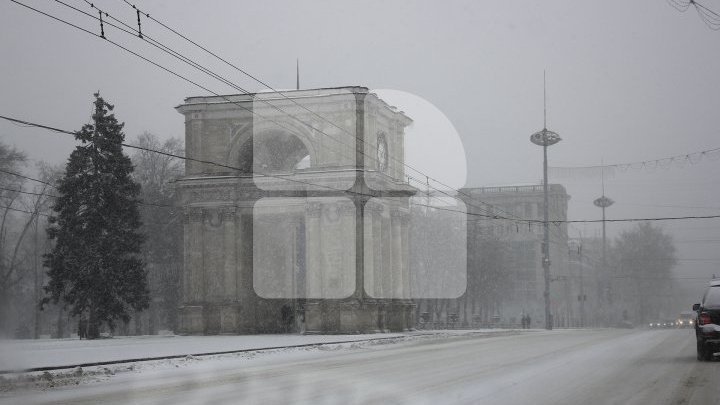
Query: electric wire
point(301, 106)
point(495, 217)
point(206, 89)
point(205, 49)
point(27, 212)
point(190, 81)
point(708, 16)
point(665, 162)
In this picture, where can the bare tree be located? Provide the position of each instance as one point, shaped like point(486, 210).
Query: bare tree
point(20, 209)
point(162, 251)
point(11, 163)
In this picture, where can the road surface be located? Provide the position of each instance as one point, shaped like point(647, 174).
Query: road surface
point(538, 367)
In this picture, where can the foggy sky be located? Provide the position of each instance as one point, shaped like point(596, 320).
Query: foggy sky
point(626, 81)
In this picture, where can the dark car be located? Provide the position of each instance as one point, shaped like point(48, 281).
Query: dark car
point(707, 324)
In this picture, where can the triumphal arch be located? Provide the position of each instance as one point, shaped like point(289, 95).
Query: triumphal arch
point(295, 214)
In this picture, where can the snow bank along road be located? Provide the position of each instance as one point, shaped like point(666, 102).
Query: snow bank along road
point(539, 367)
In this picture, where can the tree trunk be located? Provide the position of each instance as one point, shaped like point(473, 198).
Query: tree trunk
point(93, 329)
point(60, 326)
point(138, 323)
point(153, 314)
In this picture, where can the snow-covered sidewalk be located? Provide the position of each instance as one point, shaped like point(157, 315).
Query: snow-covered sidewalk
point(19, 355)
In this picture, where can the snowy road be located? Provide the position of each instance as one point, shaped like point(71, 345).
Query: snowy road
point(558, 367)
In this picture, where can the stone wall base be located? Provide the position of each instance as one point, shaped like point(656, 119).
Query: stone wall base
point(355, 316)
point(311, 317)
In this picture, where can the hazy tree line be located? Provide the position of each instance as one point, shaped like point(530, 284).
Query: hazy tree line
point(641, 261)
point(23, 218)
point(25, 243)
point(162, 225)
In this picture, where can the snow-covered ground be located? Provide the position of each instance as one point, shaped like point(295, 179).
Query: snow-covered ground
point(557, 367)
point(30, 354)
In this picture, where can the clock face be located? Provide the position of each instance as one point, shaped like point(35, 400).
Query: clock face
point(382, 153)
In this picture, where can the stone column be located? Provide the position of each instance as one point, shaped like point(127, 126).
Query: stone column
point(397, 280)
point(314, 274)
point(245, 291)
point(405, 254)
point(298, 283)
point(185, 276)
point(368, 251)
point(349, 267)
point(386, 257)
point(193, 142)
point(408, 305)
point(229, 270)
point(195, 270)
point(213, 244)
point(191, 310)
point(374, 248)
point(229, 311)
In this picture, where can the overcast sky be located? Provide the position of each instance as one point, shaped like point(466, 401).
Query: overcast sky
point(626, 81)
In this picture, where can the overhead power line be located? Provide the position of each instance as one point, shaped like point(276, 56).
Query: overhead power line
point(708, 16)
point(283, 95)
point(102, 36)
point(183, 78)
point(130, 30)
point(488, 216)
point(485, 216)
point(688, 157)
point(26, 212)
point(52, 185)
point(27, 192)
point(25, 177)
point(692, 158)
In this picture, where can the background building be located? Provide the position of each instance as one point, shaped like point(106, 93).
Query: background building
point(505, 274)
point(523, 245)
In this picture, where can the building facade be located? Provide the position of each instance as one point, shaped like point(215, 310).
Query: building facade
point(523, 247)
point(295, 214)
point(504, 261)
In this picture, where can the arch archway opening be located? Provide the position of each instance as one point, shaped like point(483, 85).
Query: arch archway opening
point(273, 151)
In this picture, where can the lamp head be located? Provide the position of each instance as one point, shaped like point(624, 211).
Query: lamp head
point(545, 138)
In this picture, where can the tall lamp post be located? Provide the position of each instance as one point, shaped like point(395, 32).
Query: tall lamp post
point(575, 253)
point(604, 202)
point(546, 138)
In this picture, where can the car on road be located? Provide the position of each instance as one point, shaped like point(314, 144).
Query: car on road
point(707, 323)
point(686, 319)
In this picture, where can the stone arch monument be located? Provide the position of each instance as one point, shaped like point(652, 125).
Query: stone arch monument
point(295, 214)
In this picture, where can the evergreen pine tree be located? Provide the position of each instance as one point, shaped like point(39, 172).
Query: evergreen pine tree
point(95, 266)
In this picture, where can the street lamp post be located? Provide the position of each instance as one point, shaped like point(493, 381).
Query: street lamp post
point(575, 254)
point(546, 138)
point(604, 202)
